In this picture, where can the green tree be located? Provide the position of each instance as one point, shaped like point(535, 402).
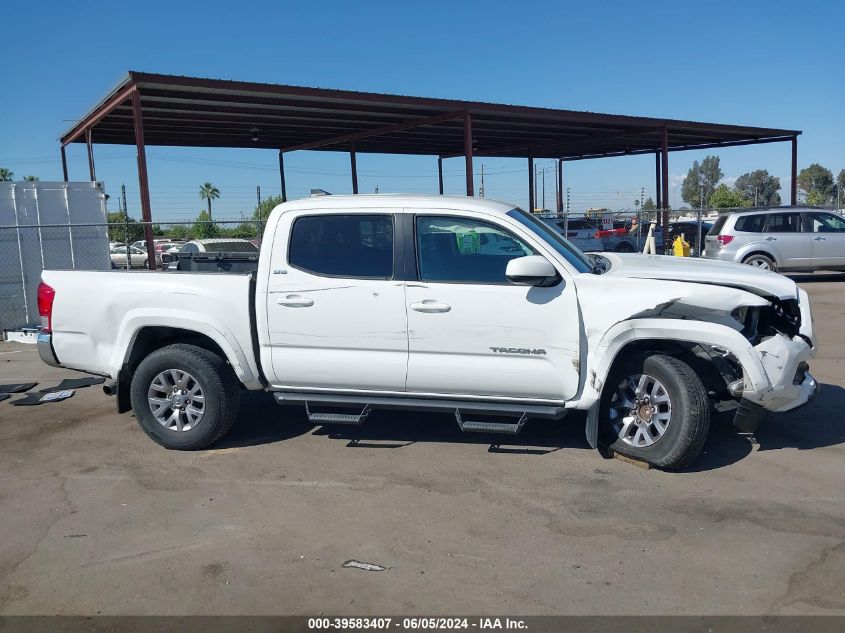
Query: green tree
point(760, 187)
point(6, 175)
point(701, 180)
point(817, 184)
point(209, 192)
point(649, 205)
point(181, 232)
point(31, 178)
point(123, 228)
point(204, 228)
point(726, 198)
point(263, 210)
point(840, 184)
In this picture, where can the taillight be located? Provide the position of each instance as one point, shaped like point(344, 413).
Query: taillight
point(724, 240)
point(46, 295)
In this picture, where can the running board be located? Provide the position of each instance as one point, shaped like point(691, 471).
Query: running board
point(483, 426)
point(327, 417)
point(375, 401)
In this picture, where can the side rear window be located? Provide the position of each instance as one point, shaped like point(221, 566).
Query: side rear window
point(784, 223)
point(717, 225)
point(750, 223)
point(343, 245)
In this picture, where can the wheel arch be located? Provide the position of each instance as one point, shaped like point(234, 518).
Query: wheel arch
point(146, 339)
point(671, 336)
point(758, 249)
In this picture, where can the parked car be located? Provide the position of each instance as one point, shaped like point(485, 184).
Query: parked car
point(589, 235)
point(581, 233)
point(137, 257)
point(219, 245)
point(779, 239)
point(362, 302)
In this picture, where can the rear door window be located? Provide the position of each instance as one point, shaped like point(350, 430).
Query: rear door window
point(750, 223)
point(783, 223)
point(351, 246)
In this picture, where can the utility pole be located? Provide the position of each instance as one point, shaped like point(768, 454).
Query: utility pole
point(535, 188)
point(481, 191)
point(123, 195)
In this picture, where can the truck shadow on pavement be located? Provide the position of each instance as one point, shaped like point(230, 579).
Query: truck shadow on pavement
point(262, 421)
point(816, 425)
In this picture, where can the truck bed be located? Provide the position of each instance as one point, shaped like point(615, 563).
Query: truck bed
point(97, 314)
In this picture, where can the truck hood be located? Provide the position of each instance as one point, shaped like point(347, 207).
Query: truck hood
point(763, 283)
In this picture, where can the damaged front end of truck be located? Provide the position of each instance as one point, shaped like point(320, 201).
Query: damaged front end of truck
point(749, 337)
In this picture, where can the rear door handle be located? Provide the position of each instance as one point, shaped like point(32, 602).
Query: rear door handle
point(816, 239)
point(295, 301)
point(771, 239)
point(430, 305)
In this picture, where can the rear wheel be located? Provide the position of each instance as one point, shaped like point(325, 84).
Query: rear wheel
point(758, 260)
point(655, 408)
point(184, 397)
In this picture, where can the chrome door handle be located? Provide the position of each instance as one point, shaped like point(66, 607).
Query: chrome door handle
point(430, 305)
point(295, 301)
point(816, 239)
point(771, 239)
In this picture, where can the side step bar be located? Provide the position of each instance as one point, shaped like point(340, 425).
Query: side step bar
point(483, 426)
point(332, 417)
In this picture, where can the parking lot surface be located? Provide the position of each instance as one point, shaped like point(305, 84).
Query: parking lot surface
point(95, 518)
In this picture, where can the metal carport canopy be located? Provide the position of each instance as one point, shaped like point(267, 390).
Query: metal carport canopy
point(197, 112)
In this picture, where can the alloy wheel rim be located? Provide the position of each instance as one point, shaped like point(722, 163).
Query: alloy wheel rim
point(759, 263)
point(640, 410)
point(176, 400)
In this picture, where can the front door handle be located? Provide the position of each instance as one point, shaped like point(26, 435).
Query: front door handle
point(295, 301)
point(819, 238)
point(430, 305)
point(771, 239)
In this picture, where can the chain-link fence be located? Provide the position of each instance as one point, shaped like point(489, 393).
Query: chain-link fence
point(26, 249)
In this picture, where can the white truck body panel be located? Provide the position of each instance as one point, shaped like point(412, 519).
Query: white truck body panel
point(98, 315)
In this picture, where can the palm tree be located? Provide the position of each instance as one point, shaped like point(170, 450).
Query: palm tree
point(5, 174)
point(31, 178)
point(209, 192)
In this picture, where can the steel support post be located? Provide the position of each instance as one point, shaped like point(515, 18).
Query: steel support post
point(143, 182)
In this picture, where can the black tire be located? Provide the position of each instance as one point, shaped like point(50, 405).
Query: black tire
point(765, 261)
point(147, 264)
point(689, 420)
point(219, 386)
point(625, 247)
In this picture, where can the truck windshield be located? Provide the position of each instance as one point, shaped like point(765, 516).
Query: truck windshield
point(554, 239)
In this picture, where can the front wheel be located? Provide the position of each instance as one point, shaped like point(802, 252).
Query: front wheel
point(184, 397)
point(655, 408)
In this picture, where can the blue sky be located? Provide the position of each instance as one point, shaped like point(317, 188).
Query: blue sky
point(767, 63)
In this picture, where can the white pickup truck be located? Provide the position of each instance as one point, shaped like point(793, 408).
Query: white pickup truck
point(440, 303)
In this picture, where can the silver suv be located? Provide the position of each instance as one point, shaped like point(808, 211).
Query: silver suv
point(779, 239)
